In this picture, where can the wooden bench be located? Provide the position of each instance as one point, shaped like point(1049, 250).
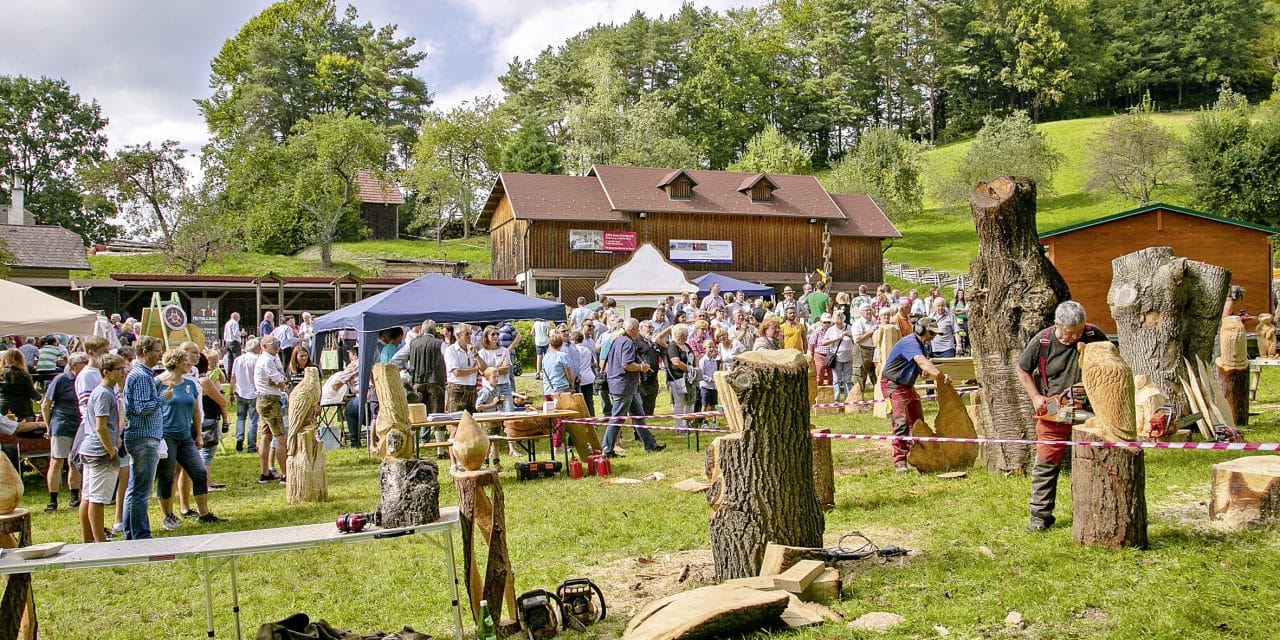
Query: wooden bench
point(527, 444)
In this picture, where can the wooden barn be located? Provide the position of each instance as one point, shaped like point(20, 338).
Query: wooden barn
point(1083, 252)
point(380, 202)
point(560, 235)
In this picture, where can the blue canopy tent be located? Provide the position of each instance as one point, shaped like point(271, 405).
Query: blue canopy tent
point(431, 297)
point(730, 285)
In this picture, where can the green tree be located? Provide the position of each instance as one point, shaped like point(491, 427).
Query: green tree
point(886, 167)
point(595, 122)
point(650, 139)
point(1133, 156)
point(143, 182)
point(1231, 160)
point(328, 150)
point(1004, 146)
point(529, 150)
point(771, 152)
point(455, 163)
point(46, 132)
point(205, 231)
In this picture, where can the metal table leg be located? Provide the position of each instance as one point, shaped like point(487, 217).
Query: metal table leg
point(208, 597)
point(452, 569)
point(235, 597)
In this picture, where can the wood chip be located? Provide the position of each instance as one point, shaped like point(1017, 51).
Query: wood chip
point(952, 475)
point(692, 485)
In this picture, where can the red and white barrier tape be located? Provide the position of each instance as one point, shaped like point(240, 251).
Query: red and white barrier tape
point(1198, 446)
point(673, 416)
point(652, 427)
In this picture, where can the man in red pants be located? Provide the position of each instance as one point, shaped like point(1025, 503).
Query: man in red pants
point(906, 360)
point(1049, 367)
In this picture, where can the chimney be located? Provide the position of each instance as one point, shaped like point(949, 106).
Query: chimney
point(17, 202)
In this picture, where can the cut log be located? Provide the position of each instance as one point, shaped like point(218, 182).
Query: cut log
point(755, 470)
point(799, 576)
point(717, 611)
point(410, 493)
point(1012, 296)
point(305, 468)
point(1246, 492)
point(824, 475)
point(1233, 369)
point(952, 422)
point(17, 605)
point(825, 588)
point(780, 557)
point(1108, 495)
point(1166, 309)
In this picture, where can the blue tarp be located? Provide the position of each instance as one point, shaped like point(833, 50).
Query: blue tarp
point(431, 297)
point(730, 285)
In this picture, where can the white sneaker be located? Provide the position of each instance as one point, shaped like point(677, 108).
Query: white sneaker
point(118, 527)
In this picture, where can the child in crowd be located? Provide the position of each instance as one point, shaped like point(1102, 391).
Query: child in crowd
point(100, 450)
point(708, 364)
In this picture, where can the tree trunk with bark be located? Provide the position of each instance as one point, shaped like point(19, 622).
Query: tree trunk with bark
point(761, 474)
point(1108, 495)
point(824, 476)
point(1246, 492)
point(1166, 309)
point(1012, 297)
point(487, 512)
point(409, 493)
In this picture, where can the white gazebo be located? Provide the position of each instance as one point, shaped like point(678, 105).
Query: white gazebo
point(644, 281)
point(29, 312)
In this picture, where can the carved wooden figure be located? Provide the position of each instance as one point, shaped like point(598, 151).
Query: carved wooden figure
point(1108, 382)
point(306, 464)
point(1266, 332)
point(409, 489)
point(1233, 368)
point(952, 422)
point(470, 443)
point(488, 512)
point(395, 440)
point(885, 336)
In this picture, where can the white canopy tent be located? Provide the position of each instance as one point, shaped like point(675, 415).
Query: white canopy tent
point(644, 281)
point(29, 312)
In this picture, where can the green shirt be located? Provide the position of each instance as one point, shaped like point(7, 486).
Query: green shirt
point(817, 301)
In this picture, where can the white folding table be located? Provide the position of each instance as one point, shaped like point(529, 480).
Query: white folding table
point(216, 550)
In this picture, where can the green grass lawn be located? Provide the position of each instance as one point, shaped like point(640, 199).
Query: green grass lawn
point(1192, 583)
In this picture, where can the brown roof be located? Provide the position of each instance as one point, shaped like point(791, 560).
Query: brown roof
point(751, 180)
point(375, 191)
point(44, 247)
point(865, 217)
point(551, 197)
point(671, 177)
point(632, 189)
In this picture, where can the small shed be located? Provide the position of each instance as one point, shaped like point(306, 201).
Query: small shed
point(640, 283)
point(380, 201)
point(1083, 252)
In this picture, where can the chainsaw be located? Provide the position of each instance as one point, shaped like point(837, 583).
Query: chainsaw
point(1063, 409)
point(1162, 424)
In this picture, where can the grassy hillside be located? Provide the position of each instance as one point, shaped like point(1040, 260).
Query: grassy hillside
point(360, 258)
point(943, 237)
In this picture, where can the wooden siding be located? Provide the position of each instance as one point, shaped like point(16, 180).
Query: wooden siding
point(383, 220)
point(572, 288)
point(778, 245)
point(1084, 256)
point(505, 246)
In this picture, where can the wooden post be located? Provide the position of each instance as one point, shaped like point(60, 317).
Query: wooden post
point(17, 606)
point(1013, 295)
point(757, 471)
point(1246, 492)
point(1108, 495)
point(488, 512)
point(824, 475)
point(1166, 310)
point(885, 336)
point(1233, 369)
point(306, 464)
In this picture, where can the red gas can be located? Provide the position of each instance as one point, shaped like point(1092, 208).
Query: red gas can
point(600, 465)
point(575, 469)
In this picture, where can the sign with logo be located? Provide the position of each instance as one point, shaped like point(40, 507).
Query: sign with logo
point(204, 314)
point(597, 241)
point(700, 250)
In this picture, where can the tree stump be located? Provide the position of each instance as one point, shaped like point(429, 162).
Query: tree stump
point(306, 465)
point(410, 493)
point(758, 470)
point(1013, 294)
point(488, 512)
point(1246, 492)
point(17, 606)
point(824, 475)
point(1233, 368)
point(1166, 310)
point(1108, 495)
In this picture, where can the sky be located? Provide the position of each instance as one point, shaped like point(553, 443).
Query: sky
point(146, 61)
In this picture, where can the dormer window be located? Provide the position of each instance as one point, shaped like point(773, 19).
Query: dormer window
point(759, 188)
point(678, 184)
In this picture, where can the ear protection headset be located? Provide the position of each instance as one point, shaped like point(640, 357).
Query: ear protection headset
point(921, 326)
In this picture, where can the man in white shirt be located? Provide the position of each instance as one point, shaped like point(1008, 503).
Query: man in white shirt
point(271, 384)
point(864, 350)
point(286, 336)
point(231, 339)
point(246, 395)
point(461, 366)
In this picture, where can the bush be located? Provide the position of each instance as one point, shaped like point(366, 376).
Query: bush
point(524, 349)
point(1009, 146)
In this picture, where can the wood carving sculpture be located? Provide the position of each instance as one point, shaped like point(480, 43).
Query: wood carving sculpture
point(754, 471)
point(1233, 368)
point(392, 425)
point(952, 422)
point(884, 337)
point(1108, 485)
point(470, 443)
point(1147, 399)
point(488, 513)
point(10, 487)
point(306, 464)
point(1266, 332)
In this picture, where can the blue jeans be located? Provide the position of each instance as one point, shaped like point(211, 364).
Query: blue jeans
point(840, 375)
point(182, 452)
point(949, 353)
point(623, 406)
point(145, 453)
point(352, 413)
point(246, 409)
point(506, 390)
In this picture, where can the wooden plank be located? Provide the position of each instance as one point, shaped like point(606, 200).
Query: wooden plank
point(779, 557)
point(825, 588)
point(708, 612)
point(799, 576)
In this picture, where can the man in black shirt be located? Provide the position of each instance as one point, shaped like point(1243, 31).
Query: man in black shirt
point(650, 355)
point(1049, 367)
point(426, 361)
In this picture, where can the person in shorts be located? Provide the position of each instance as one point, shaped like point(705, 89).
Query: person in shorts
point(270, 382)
point(61, 412)
point(100, 450)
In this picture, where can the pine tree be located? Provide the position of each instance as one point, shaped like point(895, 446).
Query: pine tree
point(530, 150)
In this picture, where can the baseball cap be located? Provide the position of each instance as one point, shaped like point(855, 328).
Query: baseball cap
point(826, 317)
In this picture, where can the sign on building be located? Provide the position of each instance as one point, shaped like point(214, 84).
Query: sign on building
point(597, 241)
point(204, 314)
point(700, 250)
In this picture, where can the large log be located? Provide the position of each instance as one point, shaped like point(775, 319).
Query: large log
point(1108, 495)
point(952, 422)
point(1246, 492)
point(1013, 294)
point(306, 464)
point(719, 611)
point(761, 474)
point(1233, 369)
point(1166, 310)
point(409, 493)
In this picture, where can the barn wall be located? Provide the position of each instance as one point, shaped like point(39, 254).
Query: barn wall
point(1084, 256)
point(383, 220)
